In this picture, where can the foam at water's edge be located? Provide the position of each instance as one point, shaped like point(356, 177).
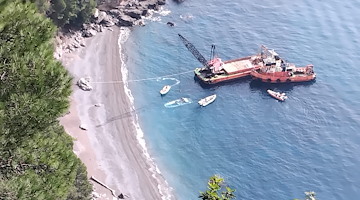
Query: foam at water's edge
point(164, 189)
point(161, 12)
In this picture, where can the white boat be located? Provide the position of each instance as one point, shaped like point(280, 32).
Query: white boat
point(207, 100)
point(178, 102)
point(165, 89)
point(277, 95)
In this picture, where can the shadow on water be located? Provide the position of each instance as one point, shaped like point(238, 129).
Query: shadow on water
point(283, 87)
point(243, 80)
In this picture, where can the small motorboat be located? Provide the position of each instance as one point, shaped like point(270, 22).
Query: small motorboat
point(207, 100)
point(277, 95)
point(165, 89)
point(178, 102)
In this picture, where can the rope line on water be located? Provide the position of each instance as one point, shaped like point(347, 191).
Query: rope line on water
point(145, 79)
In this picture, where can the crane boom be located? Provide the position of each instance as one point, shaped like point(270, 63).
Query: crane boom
point(194, 51)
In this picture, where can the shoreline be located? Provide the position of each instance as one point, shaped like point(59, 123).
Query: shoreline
point(113, 148)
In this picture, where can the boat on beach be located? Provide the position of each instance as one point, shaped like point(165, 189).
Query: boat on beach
point(277, 95)
point(165, 89)
point(274, 69)
point(207, 100)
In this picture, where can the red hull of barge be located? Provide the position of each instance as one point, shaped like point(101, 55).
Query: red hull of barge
point(300, 75)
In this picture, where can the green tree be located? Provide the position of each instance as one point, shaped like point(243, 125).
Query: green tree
point(43, 5)
point(217, 191)
point(36, 157)
point(87, 8)
point(71, 12)
point(58, 8)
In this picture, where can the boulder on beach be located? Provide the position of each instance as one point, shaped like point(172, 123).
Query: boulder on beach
point(89, 33)
point(96, 13)
point(125, 20)
point(161, 2)
point(134, 13)
point(84, 84)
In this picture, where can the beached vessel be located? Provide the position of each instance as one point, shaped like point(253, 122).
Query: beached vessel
point(277, 95)
point(165, 89)
point(207, 100)
point(274, 69)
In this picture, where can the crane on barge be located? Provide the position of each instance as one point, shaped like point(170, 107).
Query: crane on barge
point(216, 71)
point(194, 51)
point(207, 64)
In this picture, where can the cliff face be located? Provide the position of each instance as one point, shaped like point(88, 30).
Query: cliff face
point(108, 4)
point(122, 13)
point(111, 2)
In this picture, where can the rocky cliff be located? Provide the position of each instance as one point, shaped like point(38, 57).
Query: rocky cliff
point(122, 13)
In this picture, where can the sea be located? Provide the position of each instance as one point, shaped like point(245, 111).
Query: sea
point(263, 148)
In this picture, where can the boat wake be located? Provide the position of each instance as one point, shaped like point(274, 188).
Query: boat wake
point(186, 17)
point(177, 81)
point(178, 102)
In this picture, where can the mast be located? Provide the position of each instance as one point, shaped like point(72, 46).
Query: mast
point(212, 53)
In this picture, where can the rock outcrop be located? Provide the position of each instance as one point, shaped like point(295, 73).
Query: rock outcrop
point(84, 84)
point(122, 13)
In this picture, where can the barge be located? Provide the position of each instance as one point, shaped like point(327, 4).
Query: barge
point(265, 66)
point(219, 71)
point(274, 69)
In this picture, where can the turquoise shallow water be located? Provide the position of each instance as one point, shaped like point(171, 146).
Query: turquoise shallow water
point(263, 148)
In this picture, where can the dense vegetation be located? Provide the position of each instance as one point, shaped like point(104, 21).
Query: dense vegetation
point(36, 158)
point(67, 12)
point(217, 191)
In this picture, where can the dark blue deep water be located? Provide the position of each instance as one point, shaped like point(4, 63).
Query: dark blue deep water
point(266, 149)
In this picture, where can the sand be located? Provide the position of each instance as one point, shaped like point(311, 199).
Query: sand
point(109, 147)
